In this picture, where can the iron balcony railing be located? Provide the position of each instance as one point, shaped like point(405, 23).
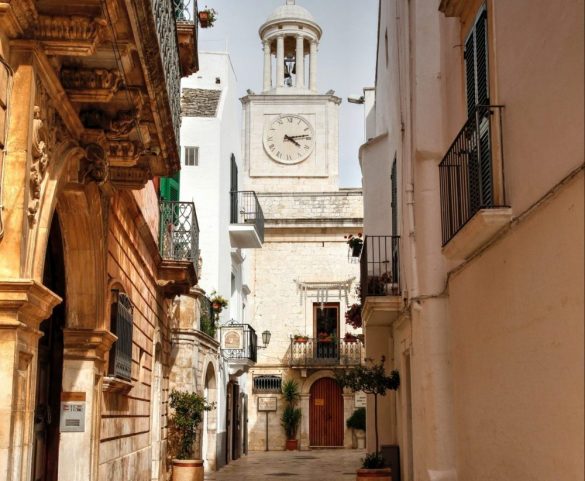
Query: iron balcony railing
point(380, 266)
point(179, 231)
point(244, 339)
point(307, 352)
point(466, 172)
point(245, 209)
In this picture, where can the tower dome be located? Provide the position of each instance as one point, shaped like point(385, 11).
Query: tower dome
point(290, 11)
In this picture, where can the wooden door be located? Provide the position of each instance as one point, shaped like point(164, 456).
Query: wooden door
point(326, 413)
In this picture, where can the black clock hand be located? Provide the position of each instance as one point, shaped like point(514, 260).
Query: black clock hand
point(291, 139)
point(299, 136)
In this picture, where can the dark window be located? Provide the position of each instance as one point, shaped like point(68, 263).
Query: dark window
point(191, 156)
point(394, 200)
point(121, 353)
point(268, 384)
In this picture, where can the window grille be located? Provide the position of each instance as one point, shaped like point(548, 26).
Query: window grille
point(121, 325)
point(268, 384)
point(191, 156)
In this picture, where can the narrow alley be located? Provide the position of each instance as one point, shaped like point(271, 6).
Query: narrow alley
point(314, 465)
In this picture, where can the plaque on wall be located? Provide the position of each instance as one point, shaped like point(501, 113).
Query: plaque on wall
point(360, 399)
point(233, 338)
point(267, 404)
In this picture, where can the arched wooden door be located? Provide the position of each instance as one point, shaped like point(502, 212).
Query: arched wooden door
point(326, 413)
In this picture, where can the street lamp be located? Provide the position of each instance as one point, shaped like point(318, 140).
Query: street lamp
point(265, 339)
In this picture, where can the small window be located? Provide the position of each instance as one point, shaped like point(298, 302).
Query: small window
point(121, 325)
point(268, 384)
point(191, 156)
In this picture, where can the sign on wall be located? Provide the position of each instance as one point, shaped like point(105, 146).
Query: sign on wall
point(72, 419)
point(233, 337)
point(267, 404)
point(360, 399)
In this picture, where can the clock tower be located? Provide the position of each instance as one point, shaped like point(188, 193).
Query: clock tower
point(291, 131)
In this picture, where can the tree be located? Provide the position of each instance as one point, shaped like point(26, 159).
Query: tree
point(370, 378)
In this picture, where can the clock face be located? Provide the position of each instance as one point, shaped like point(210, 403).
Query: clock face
point(289, 139)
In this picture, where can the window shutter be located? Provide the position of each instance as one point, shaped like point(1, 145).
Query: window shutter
point(122, 325)
point(394, 202)
point(481, 60)
point(470, 74)
point(234, 189)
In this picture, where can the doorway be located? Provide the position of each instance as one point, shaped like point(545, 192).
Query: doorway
point(326, 413)
point(326, 329)
point(50, 366)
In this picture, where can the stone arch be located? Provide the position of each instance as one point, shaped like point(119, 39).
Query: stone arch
point(209, 429)
point(306, 387)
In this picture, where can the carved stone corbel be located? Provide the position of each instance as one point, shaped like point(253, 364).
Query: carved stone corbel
point(91, 85)
point(74, 35)
point(17, 17)
point(94, 167)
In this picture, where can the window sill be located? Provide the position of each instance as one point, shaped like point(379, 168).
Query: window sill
point(480, 229)
point(116, 385)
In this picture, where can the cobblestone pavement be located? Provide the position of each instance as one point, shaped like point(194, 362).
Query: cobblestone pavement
point(315, 465)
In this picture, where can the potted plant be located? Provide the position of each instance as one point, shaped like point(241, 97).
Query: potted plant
point(371, 378)
point(357, 423)
point(291, 416)
point(355, 244)
point(207, 17)
point(301, 339)
point(188, 413)
point(349, 337)
point(353, 316)
point(218, 303)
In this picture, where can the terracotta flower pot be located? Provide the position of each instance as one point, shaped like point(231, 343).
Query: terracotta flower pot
point(383, 474)
point(204, 19)
point(301, 341)
point(292, 444)
point(187, 470)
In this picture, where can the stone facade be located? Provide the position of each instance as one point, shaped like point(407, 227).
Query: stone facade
point(84, 291)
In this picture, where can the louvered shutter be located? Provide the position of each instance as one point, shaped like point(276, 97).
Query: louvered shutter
point(122, 325)
point(394, 201)
point(234, 190)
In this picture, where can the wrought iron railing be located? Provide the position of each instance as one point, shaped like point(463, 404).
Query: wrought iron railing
point(166, 13)
point(380, 266)
point(179, 231)
point(325, 352)
point(207, 318)
point(467, 172)
point(239, 342)
point(185, 10)
point(245, 209)
point(268, 383)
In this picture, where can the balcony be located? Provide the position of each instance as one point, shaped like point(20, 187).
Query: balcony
point(319, 352)
point(246, 220)
point(178, 246)
point(239, 345)
point(380, 279)
point(472, 189)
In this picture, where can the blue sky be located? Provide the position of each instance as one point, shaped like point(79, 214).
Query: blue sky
point(347, 56)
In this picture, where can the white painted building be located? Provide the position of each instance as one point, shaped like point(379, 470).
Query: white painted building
point(210, 157)
point(302, 280)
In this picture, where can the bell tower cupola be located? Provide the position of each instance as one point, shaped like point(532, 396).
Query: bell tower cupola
point(289, 36)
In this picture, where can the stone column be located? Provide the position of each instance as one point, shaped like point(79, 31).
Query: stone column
point(83, 369)
point(300, 62)
point(304, 435)
point(280, 61)
point(23, 305)
point(313, 68)
point(267, 66)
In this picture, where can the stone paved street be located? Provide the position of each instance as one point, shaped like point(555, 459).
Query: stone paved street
point(317, 465)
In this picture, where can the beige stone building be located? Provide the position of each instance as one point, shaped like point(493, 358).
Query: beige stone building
point(478, 122)
point(89, 259)
point(302, 280)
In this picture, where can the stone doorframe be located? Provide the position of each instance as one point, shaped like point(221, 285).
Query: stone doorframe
point(348, 408)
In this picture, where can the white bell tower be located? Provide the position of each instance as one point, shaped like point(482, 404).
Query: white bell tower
point(291, 131)
point(290, 34)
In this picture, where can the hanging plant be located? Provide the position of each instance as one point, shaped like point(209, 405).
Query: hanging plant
point(218, 303)
point(353, 316)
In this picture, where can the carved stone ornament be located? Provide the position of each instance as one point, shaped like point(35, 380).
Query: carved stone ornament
point(133, 178)
point(17, 16)
point(70, 35)
point(95, 165)
point(42, 143)
point(123, 153)
point(91, 85)
point(117, 128)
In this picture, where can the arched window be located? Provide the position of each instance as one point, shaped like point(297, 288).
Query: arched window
point(121, 325)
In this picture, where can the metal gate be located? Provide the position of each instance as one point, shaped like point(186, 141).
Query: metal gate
point(326, 413)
